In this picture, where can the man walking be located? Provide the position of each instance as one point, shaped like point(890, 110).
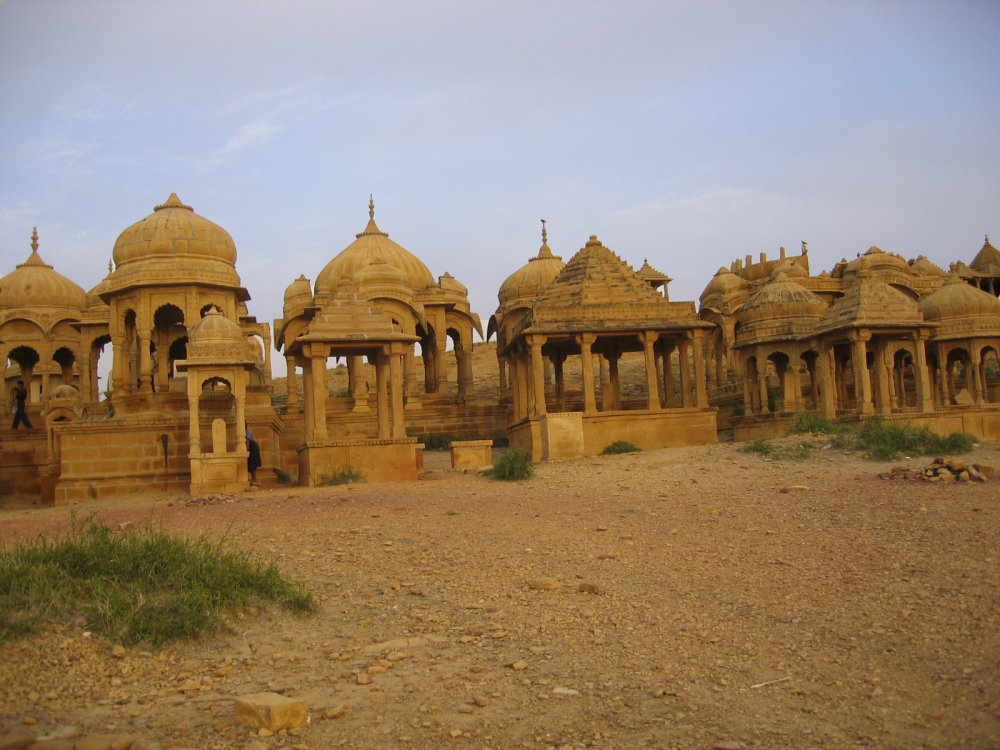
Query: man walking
point(20, 397)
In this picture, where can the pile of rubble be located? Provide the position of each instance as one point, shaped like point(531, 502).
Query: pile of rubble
point(944, 470)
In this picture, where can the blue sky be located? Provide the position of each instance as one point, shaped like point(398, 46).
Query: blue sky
point(688, 133)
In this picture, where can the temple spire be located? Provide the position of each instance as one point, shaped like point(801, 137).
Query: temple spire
point(371, 206)
point(34, 239)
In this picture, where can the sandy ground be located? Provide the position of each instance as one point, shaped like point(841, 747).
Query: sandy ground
point(669, 599)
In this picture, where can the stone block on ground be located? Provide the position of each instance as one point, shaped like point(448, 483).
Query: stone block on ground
point(270, 711)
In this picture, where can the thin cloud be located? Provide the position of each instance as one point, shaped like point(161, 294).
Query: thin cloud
point(248, 136)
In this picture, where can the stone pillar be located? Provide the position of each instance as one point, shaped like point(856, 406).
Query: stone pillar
point(558, 359)
point(824, 368)
point(700, 391)
point(382, 396)
point(292, 383)
point(537, 405)
point(763, 405)
point(357, 382)
point(309, 421)
point(410, 395)
point(145, 362)
point(319, 391)
point(586, 341)
point(613, 399)
point(921, 375)
point(669, 395)
point(520, 383)
point(87, 370)
point(465, 383)
point(648, 339)
point(862, 380)
point(194, 415)
point(683, 353)
point(119, 366)
point(880, 371)
point(973, 379)
point(398, 431)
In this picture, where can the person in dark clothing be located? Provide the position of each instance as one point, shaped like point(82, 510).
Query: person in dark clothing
point(253, 459)
point(20, 398)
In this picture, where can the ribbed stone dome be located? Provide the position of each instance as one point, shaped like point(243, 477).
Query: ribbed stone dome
point(215, 336)
point(373, 246)
point(924, 267)
point(531, 279)
point(783, 298)
point(878, 260)
point(957, 299)
point(174, 230)
point(35, 284)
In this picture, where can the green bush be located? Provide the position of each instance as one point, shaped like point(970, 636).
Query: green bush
point(436, 442)
point(512, 465)
point(888, 441)
point(284, 477)
point(798, 452)
point(347, 475)
point(811, 422)
point(737, 409)
point(760, 445)
point(134, 586)
point(619, 446)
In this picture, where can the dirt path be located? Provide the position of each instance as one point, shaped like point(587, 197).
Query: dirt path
point(700, 595)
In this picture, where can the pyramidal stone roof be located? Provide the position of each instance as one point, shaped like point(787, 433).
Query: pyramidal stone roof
point(871, 304)
point(987, 261)
point(598, 290)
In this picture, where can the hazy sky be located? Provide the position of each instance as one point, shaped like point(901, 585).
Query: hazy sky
point(688, 133)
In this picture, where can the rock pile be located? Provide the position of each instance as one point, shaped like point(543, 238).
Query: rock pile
point(944, 470)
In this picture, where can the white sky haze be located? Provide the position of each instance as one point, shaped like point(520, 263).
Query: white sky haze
point(688, 133)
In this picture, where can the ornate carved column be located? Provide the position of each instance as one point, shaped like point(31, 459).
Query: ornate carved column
point(537, 405)
point(700, 391)
point(119, 366)
point(586, 340)
point(382, 395)
point(921, 375)
point(319, 391)
point(358, 383)
point(684, 355)
point(398, 431)
point(292, 383)
point(669, 395)
point(825, 376)
point(880, 370)
point(145, 362)
point(862, 380)
point(652, 391)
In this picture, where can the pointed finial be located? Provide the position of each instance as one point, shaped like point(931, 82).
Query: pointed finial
point(371, 206)
point(34, 239)
point(111, 265)
point(545, 236)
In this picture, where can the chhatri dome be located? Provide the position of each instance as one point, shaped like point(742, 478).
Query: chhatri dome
point(531, 279)
point(374, 246)
point(34, 283)
point(174, 245)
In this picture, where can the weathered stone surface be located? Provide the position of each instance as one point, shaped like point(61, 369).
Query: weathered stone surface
point(270, 711)
point(16, 741)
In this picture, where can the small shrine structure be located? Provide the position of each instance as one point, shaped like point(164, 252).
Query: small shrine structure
point(595, 310)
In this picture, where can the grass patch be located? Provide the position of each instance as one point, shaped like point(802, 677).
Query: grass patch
point(284, 477)
point(887, 441)
point(798, 451)
point(512, 465)
point(436, 442)
point(619, 446)
point(347, 475)
point(810, 422)
point(134, 586)
point(760, 445)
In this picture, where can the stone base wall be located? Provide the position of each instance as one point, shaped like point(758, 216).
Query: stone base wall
point(121, 456)
point(375, 460)
point(982, 423)
point(23, 456)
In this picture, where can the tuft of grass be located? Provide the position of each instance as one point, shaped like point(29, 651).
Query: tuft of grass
point(760, 445)
point(619, 446)
point(811, 422)
point(884, 441)
point(799, 451)
point(284, 477)
point(134, 586)
point(347, 475)
point(436, 442)
point(512, 465)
